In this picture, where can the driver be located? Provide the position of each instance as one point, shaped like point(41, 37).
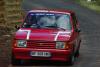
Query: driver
point(46, 21)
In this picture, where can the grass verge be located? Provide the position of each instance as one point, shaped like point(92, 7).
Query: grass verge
point(91, 5)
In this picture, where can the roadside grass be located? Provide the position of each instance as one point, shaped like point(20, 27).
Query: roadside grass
point(4, 29)
point(91, 5)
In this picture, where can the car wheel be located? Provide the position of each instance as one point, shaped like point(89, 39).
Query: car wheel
point(14, 61)
point(77, 53)
point(71, 59)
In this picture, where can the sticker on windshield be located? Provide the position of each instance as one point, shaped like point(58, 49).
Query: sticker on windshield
point(42, 14)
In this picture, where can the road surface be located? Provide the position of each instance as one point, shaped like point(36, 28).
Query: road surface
point(90, 26)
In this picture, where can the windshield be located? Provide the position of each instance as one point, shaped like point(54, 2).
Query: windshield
point(47, 20)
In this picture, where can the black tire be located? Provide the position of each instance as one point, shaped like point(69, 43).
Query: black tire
point(71, 60)
point(14, 61)
point(77, 53)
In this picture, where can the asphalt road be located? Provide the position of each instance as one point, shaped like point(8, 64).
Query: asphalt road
point(90, 26)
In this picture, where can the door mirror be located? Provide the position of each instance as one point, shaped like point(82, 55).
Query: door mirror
point(78, 30)
point(17, 27)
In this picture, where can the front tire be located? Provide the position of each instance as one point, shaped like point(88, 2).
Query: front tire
point(71, 60)
point(77, 54)
point(14, 61)
point(71, 57)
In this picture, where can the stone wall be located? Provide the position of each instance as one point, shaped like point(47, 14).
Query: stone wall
point(2, 9)
point(10, 11)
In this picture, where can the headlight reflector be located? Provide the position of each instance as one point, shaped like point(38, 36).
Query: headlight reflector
point(60, 45)
point(21, 43)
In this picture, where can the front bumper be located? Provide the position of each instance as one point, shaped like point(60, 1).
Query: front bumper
point(56, 55)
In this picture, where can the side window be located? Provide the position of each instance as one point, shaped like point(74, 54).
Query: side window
point(74, 21)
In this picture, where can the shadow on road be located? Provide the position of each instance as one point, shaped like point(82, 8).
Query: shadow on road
point(42, 63)
point(45, 63)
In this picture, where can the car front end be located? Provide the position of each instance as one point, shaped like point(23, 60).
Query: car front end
point(41, 50)
point(44, 36)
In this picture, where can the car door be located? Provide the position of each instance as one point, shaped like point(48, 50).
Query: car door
point(76, 33)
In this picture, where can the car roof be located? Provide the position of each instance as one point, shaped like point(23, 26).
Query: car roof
point(52, 11)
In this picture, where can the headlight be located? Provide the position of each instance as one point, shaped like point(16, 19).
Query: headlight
point(21, 43)
point(60, 45)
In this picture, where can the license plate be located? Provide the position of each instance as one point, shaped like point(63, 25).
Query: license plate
point(40, 54)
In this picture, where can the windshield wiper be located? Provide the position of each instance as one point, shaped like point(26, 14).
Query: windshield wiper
point(51, 26)
point(56, 27)
point(61, 28)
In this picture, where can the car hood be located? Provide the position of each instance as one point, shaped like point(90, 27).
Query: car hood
point(43, 34)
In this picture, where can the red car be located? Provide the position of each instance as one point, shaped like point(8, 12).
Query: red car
point(47, 35)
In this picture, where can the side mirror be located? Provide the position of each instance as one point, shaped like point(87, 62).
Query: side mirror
point(17, 27)
point(78, 30)
point(18, 24)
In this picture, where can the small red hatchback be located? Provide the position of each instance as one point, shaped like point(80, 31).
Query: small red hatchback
point(47, 35)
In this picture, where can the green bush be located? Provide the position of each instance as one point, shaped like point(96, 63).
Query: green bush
point(98, 2)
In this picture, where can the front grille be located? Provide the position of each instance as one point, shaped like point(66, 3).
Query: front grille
point(41, 44)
